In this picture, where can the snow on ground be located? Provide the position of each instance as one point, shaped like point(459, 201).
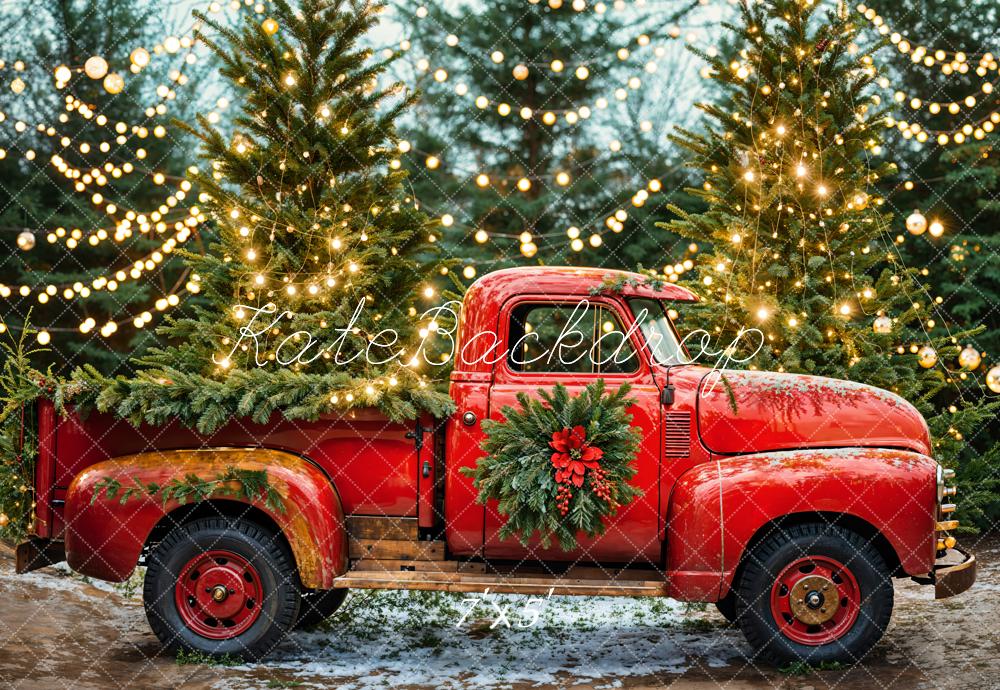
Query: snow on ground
point(390, 639)
point(60, 577)
point(437, 639)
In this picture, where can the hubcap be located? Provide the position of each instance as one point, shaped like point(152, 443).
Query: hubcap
point(218, 594)
point(815, 600)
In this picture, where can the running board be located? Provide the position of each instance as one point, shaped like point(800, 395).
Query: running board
point(507, 584)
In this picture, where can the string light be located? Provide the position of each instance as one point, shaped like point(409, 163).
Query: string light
point(948, 61)
point(958, 136)
point(521, 71)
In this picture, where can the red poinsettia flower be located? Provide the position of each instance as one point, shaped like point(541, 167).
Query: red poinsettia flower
point(573, 456)
point(568, 439)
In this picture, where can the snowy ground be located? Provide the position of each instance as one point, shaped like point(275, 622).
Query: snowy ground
point(58, 630)
point(414, 638)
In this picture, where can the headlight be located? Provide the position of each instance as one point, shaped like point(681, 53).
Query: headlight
point(943, 524)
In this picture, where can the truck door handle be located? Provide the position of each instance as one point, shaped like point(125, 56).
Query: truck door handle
point(427, 469)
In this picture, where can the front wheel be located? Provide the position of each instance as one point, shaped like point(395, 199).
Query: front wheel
point(221, 587)
point(814, 593)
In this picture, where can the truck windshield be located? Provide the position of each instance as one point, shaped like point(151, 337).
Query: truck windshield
point(658, 331)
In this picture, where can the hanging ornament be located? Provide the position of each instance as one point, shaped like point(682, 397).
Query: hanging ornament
point(520, 72)
point(269, 26)
point(993, 379)
point(26, 240)
point(4, 520)
point(139, 57)
point(96, 67)
point(17, 86)
point(927, 357)
point(883, 324)
point(969, 358)
point(916, 223)
point(113, 83)
point(859, 201)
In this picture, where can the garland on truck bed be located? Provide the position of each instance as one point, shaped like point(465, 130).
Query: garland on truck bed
point(559, 466)
point(204, 403)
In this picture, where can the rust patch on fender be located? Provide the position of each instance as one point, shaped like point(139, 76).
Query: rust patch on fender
point(312, 520)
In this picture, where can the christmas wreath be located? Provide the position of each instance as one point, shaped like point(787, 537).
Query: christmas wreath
point(559, 465)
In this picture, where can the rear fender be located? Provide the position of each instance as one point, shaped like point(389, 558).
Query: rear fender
point(717, 508)
point(105, 537)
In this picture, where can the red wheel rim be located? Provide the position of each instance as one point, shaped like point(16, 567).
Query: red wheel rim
point(815, 600)
point(218, 594)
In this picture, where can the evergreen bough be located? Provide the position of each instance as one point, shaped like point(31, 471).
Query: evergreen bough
point(20, 386)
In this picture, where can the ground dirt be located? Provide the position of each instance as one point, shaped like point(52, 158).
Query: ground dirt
point(59, 631)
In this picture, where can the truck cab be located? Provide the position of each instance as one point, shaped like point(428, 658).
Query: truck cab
point(790, 501)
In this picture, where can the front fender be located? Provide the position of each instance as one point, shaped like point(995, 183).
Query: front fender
point(717, 508)
point(104, 537)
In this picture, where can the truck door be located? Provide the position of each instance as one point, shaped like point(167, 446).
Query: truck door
point(564, 331)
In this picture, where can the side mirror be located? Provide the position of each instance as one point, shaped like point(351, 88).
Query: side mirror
point(667, 395)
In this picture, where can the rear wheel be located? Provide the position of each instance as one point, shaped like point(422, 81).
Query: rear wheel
point(814, 593)
point(221, 586)
point(318, 605)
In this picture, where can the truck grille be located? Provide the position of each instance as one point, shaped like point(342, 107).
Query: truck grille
point(676, 434)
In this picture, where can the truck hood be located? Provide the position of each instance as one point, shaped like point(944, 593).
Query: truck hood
point(758, 411)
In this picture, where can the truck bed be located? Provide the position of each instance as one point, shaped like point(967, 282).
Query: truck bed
point(372, 461)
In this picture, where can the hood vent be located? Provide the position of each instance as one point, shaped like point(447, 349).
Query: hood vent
point(676, 434)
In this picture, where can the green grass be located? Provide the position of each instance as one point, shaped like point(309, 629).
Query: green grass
point(186, 658)
point(802, 668)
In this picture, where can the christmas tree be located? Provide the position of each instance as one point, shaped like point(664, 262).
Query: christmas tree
point(801, 247)
point(323, 268)
point(943, 131)
point(93, 182)
point(539, 136)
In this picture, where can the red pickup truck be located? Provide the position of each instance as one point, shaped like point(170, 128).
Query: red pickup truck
point(790, 501)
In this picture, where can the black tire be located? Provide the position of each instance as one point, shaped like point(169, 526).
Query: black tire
point(318, 605)
point(269, 561)
point(727, 606)
point(767, 562)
